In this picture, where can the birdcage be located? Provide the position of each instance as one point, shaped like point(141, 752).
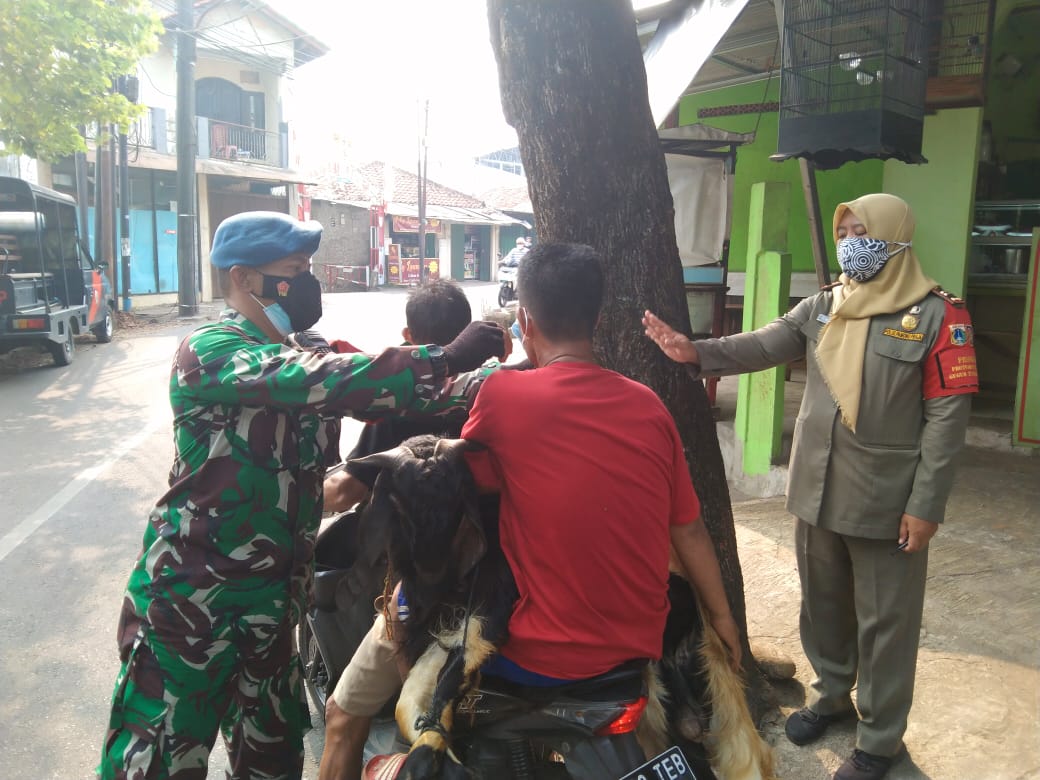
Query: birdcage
point(853, 80)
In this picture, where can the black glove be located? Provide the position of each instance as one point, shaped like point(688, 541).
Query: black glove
point(309, 341)
point(477, 342)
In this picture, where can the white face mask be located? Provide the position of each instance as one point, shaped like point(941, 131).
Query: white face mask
point(524, 324)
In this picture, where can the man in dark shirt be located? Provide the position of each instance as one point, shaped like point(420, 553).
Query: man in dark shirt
point(435, 313)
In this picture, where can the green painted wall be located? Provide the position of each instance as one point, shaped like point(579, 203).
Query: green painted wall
point(1011, 99)
point(942, 193)
point(951, 140)
point(753, 165)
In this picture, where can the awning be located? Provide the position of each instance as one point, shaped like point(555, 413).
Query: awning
point(149, 158)
point(455, 214)
point(238, 170)
point(680, 47)
point(698, 139)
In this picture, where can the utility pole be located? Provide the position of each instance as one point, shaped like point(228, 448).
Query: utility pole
point(127, 88)
point(99, 191)
point(112, 210)
point(124, 218)
point(187, 265)
point(103, 207)
point(82, 197)
point(422, 194)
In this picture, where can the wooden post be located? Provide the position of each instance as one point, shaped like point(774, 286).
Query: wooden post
point(812, 209)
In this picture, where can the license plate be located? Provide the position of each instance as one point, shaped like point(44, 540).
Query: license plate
point(670, 765)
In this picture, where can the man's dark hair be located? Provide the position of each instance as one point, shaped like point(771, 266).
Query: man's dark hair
point(437, 312)
point(562, 286)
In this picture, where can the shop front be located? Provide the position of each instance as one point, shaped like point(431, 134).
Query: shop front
point(476, 253)
point(404, 264)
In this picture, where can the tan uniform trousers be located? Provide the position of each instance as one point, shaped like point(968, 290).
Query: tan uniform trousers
point(372, 677)
point(860, 625)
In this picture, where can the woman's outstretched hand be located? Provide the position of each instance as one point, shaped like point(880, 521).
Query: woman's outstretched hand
point(674, 344)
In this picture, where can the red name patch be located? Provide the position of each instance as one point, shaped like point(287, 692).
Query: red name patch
point(958, 369)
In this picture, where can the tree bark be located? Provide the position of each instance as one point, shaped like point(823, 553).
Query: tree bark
point(574, 87)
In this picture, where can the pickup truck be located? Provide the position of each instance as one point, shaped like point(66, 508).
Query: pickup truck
point(51, 290)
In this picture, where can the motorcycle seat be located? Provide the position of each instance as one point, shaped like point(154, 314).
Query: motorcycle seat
point(625, 681)
point(325, 585)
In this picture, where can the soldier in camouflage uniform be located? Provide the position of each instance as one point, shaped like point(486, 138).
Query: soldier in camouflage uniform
point(205, 632)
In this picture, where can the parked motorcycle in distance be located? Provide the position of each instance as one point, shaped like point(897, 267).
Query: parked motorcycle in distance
point(507, 283)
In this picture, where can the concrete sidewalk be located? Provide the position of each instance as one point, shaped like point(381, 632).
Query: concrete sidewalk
point(976, 713)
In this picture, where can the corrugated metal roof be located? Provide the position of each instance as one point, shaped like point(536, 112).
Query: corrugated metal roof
point(368, 184)
point(375, 182)
point(454, 214)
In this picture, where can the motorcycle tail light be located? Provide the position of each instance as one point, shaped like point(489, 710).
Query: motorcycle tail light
point(627, 721)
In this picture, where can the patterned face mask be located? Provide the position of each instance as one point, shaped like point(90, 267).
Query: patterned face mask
point(861, 259)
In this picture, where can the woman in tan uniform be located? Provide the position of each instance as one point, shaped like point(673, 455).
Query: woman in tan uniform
point(890, 367)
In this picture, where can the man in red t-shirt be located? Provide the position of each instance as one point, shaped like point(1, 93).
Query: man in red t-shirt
point(594, 488)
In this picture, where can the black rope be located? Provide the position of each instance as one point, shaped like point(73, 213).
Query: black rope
point(428, 721)
point(469, 609)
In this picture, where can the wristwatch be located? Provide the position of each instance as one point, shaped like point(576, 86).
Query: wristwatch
point(438, 362)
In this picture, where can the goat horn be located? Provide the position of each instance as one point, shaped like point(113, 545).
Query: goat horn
point(388, 459)
point(452, 448)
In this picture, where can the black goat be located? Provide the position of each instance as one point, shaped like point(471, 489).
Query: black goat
point(443, 547)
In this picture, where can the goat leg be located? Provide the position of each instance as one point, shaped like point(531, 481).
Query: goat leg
point(456, 674)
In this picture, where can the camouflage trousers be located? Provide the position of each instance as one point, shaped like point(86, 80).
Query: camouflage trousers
point(174, 693)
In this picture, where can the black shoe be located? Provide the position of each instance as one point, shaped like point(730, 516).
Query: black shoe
point(806, 726)
point(863, 766)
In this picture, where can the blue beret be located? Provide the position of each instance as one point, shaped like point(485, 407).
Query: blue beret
point(261, 237)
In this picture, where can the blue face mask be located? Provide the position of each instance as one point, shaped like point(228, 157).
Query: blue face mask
point(278, 317)
point(862, 258)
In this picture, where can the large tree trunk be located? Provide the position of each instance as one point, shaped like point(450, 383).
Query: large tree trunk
point(574, 87)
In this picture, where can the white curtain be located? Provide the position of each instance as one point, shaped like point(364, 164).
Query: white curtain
point(701, 193)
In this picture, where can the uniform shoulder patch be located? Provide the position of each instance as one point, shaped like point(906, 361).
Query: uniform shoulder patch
point(948, 297)
point(962, 334)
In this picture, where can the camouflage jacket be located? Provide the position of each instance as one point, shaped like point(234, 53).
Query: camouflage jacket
point(255, 426)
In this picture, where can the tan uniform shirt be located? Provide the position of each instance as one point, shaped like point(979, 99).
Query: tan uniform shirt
point(901, 457)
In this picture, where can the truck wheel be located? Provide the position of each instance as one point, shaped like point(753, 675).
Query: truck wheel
point(64, 351)
point(103, 330)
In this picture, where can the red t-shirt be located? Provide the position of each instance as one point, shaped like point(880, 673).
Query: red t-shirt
point(592, 475)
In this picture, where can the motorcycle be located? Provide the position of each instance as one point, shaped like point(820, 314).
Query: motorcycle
point(507, 283)
point(346, 583)
point(581, 731)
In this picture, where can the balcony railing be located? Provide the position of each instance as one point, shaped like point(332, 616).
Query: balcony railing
point(155, 129)
point(228, 141)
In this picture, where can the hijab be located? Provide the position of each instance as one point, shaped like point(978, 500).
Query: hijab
point(899, 285)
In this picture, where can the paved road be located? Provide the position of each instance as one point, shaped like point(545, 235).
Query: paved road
point(84, 452)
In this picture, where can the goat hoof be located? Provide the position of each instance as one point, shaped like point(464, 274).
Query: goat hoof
point(425, 763)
